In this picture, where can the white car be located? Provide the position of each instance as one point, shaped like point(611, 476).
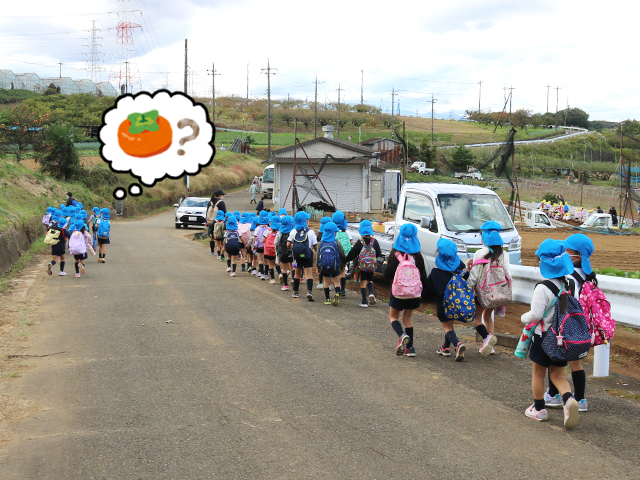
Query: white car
point(191, 211)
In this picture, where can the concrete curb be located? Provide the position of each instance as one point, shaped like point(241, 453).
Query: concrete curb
point(504, 340)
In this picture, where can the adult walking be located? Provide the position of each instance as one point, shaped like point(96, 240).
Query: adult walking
point(215, 204)
point(614, 216)
point(253, 190)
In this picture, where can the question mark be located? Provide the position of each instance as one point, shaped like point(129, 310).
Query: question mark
point(187, 122)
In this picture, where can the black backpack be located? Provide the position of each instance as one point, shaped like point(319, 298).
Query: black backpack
point(301, 249)
point(281, 248)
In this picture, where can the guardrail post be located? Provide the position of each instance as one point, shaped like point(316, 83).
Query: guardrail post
point(601, 360)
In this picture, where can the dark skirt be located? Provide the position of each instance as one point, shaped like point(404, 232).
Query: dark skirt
point(537, 355)
point(404, 304)
point(104, 241)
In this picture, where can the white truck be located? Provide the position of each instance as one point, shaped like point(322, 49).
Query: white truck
point(598, 220)
point(537, 219)
point(473, 173)
point(421, 168)
point(267, 180)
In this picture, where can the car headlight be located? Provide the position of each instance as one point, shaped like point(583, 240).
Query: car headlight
point(462, 247)
point(515, 244)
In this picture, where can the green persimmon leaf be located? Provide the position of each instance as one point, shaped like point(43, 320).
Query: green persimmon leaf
point(143, 121)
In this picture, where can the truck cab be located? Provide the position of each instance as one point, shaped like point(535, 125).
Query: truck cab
point(537, 219)
point(598, 220)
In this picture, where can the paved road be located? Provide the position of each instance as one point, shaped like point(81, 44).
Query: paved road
point(247, 383)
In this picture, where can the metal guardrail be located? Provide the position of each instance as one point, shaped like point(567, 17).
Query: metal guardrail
point(622, 293)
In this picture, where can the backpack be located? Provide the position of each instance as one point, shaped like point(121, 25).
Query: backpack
point(494, 286)
point(232, 242)
point(218, 230)
point(269, 243)
point(343, 238)
point(53, 236)
point(244, 229)
point(367, 258)
point(301, 249)
point(329, 257)
point(104, 229)
point(46, 219)
point(406, 281)
point(281, 248)
point(597, 310)
point(569, 337)
point(458, 301)
point(259, 236)
point(77, 245)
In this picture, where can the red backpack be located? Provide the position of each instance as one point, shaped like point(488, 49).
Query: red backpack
point(270, 243)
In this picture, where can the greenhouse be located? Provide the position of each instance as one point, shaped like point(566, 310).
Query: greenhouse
point(9, 80)
point(32, 82)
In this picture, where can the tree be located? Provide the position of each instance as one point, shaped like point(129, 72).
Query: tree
point(428, 152)
point(21, 127)
point(51, 90)
point(62, 161)
point(286, 116)
point(576, 117)
point(462, 157)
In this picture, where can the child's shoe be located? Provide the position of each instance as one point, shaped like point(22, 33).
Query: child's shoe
point(552, 402)
point(222, 259)
point(82, 268)
point(487, 345)
point(402, 344)
point(460, 348)
point(232, 274)
point(254, 272)
point(280, 279)
point(571, 410)
point(372, 299)
point(77, 275)
point(343, 294)
point(49, 272)
point(327, 301)
point(295, 295)
point(320, 286)
point(445, 352)
point(244, 268)
point(285, 288)
point(410, 352)
point(540, 416)
point(336, 300)
point(62, 274)
point(228, 269)
point(363, 305)
point(582, 405)
point(263, 277)
point(272, 281)
point(310, 297)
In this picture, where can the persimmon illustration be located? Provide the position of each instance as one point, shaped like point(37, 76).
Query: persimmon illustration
point(145, 134)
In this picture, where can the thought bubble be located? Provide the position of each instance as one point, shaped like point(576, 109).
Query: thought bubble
point(153, 136)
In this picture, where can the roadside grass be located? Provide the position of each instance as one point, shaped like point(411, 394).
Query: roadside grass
point(623, 394)
point(37, 247)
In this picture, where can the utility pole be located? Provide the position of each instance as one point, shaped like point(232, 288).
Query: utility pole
point(548, 87)
point(213, 74)
point(339, 110)
point(247, 81)
point(126, 75)
point(361, 87)
point(565, 112)
point(511, 89)
point(479, 95)
point(315, 114)
point(404, 159)
point(60, 63)
point(269, 73)
point(393, 97)
point(557, 89)
point(432, 101)
point(185, 66)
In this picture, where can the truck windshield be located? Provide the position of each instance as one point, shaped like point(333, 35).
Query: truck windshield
point(267, 175)
point(467, 212)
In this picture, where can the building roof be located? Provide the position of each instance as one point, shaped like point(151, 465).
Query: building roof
point(82, 82)
point(317, 161)
point(4, 72)
point(378, 139)
point(333, 141)
point(57, 80)
point(25, 76)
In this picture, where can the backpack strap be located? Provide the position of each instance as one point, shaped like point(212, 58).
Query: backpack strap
point(479, 262)
point(578, 278)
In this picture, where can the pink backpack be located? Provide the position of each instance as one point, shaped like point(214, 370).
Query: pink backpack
point(406, 282)
point(77, 245)
point(597, 309)
point(244, 229)
point(494, 286)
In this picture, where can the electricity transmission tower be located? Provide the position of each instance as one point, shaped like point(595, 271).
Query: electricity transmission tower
point(123, 71)
point(95, 55)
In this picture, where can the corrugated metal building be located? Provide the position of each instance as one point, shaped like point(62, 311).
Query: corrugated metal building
point(390, 150)
point(9, 80)
point(66, 84)
point(352, 178)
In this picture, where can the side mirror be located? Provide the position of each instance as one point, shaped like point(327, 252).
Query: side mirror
point(176, 205)
point(425, 222)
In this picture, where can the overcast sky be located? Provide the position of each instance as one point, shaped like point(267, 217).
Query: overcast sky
point(415, 47)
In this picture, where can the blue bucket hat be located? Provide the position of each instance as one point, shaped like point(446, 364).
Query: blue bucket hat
point(491, 233)
point(228, 215)
point(106, 213)
point(286, 224)
point(244, 218)
point(282, 211)
point(220, 216)
point(365, 228)
point(447, 258)
point(339, 220)
point(583, 244)
point(254, 224)
point(275, 223)
point(237, 215)
point(83, 214)
point(252, 215)
point(62, 222)
point(566, 208)
point(555, 262)
point(49, 210)
point(329, 233)
point(407, 239)
point(300, 220)
point(323, 222)
point(232, 223)
point(78, 224)
point(263, 219)
point(96, 210)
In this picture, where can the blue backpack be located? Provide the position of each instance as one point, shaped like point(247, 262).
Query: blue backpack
point(569, 337)
point(329, 257)
point(104, 229)
point(458, 299)
point(233, 240)
point(300, 248)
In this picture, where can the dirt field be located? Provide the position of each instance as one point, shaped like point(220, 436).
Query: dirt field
point(613, 251)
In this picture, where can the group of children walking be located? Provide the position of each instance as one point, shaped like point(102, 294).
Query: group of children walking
point(69, 226)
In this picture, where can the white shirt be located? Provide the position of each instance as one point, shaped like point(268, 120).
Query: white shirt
point(542, 298)
point(311, 236)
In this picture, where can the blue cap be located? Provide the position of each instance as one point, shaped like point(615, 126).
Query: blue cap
point(491, 233)
point(62, 222)
point(583, 244)
point(232, 223)
point(275, 223)
point(106, 213)
point(220, 216)
point(339, 220)
point(282, 211)
point(329, 233)
point(96, 210)
point(254, 224)
point(236, 214)
point(407, 239)
point(300, 220)
point(244, 218)
point(447, 258)
point(365, 228)
point(555, 262)
point(263, 219)
point(323, 222)
point(228, 215)
point(286, 224)
point(78, 224)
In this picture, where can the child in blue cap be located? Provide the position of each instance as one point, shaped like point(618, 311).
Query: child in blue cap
point(244, 229)
point(270, 254)
point(104, 240)
point(447, 263)
point(233, 243)
point(285, 256)
point(302, 240)
point(78, 245)
point(366, 250)
point(494, 254)
point(218, 234)
point(406, 243)
point(555, 265)
point(323, 222)
point(330, 258)
point(59, 249)
point(346, 240)
point(252, 257)
point(579, 247)
point(258, 243)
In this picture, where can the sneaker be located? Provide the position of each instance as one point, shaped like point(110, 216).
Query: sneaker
point(212, 253)
point(82, 268)
point(272, 281)
point(222, 259)
point(540, 416)
point(310, 297)
point(62, 274)
point(280, 279)
point(571, 410)
point(487, 345)
point(552, 402)
point(244, 268)
point(410, 352)
point(263, 277)
point(343, 294)
point(372, 299)
point(493, 351)
point(445, 352)
point(402, 344)
point(217, 256)
point(460, 351)
point(336, 300)
point(232, 274)
point(295, 295)
point(327, 301)
point(285, 288)
point(49, 272)
point(254, 272)
point(77, 275)
point(363, 305)
point(228, 269)
point(582, 405)
point(320, 286)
